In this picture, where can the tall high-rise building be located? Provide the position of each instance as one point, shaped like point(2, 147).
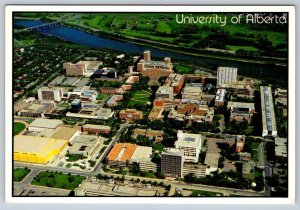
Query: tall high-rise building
point(172, 162)
point(226, 75)
point(147, 55)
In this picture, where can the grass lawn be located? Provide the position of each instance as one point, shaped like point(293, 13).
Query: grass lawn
point(254, 145)
point(255, 155)
point(18, 127)
point(163, 27)
point(74, 157)
point(57, 180)
point(245, 48)
point(183, 69)
point(20, 174)
point(141, 97)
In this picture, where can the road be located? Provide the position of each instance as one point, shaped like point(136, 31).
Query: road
point(98, 169)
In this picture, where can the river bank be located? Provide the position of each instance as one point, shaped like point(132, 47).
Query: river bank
point(164, 46)
point(173, 48)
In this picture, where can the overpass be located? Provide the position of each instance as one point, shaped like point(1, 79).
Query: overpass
point(43, 26)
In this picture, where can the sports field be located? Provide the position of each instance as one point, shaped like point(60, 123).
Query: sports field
point(18, 127)
point(141, 97)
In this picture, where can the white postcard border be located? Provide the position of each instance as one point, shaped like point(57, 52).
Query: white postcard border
point(153, 200)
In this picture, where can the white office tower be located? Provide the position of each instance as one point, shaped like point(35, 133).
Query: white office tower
point(190, 144)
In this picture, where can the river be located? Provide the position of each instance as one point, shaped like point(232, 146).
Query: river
point(89, 40)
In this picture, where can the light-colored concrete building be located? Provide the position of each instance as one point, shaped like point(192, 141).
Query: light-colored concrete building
point(164, 92)
point(146, 164)
point(84, 145)
point(220, 97)
point(192, 92)
point(104, 188)
point(50, 93)
point(81, 68)
point(281, 148)
point(190, 144)
point(269, 127)
point(197, 169)
point(226, 75)
point(44, 124)
point(241, 111)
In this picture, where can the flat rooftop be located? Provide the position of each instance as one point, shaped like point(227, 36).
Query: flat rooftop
point(37, 145)
point(281, 147)
point(45, 123)
point(122, 152)
point(234, 104)
point(142, 152)
point(220, 96)
point(64, 133)
point(188, 139)
point(164, 90)
point(90, 64)
point(172, 151)
point(100, 127)
point(267, 109)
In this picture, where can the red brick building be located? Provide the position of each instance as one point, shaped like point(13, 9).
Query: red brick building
point(130, 114)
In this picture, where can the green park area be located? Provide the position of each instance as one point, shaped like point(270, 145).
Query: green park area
point(141, 97)
point(20, 174)
point(242, 40)
point(57, 180)
point(18, 127)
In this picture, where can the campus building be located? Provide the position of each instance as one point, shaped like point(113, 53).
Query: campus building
point(146, 164)
point(240, 88)
point(281, 149)
point(192, 91)
point(50, 94)
point(34, 149)
point(96, 129)
point(156, 135)
point(40, 124)
point(130, 114)
point(110, 188)
point(192, 111)
point(220, 97)
point(154, 69)
point(172, 162)
point(120, 154)
point(65, 133)
point(37, 109)
point(267, 111)
point(241, 111)
point(197, 169)
point(84, 145)
point(176, 81)
point(81, 68)
point(113, 101)
point(226, 75)
point(281, 96)
point(164, 92)
point(190, 144)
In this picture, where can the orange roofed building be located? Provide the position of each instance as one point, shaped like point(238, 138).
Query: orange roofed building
point(120, 154)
